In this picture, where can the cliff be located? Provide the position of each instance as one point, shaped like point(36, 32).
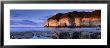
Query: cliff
point(75, 19)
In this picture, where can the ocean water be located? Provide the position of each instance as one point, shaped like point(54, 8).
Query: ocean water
point(42, 29)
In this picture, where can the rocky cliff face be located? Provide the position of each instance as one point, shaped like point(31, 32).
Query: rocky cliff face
point(72, 19)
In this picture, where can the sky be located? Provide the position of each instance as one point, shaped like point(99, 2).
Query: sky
point(38, 17)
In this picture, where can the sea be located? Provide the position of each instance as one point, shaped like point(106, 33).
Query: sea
point(44, 29)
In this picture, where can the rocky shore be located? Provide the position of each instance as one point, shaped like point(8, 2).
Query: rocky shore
point(55, 35)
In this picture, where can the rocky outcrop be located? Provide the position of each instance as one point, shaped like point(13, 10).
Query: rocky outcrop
point(75, 19)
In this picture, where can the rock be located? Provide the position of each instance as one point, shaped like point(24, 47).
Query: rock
point(76, 35)
point(64, 35)
point(96, 35)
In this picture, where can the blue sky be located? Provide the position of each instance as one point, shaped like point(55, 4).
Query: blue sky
point(37, 16)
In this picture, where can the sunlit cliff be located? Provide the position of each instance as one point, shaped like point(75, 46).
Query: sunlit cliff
point(75, 19)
